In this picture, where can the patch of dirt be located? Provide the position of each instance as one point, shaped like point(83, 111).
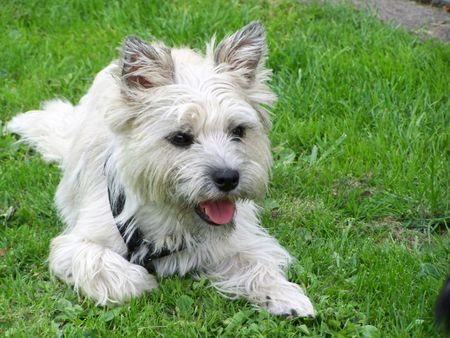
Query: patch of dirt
point(419, 18)
point(390, 229)
point(344, 186)
point(424, 19)
point(296, 208)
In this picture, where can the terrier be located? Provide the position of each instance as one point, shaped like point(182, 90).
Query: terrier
point(164, 161)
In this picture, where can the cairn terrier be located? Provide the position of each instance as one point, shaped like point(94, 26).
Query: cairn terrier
point(164, 161)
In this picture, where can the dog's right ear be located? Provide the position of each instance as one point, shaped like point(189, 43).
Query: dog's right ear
point(145, 66)
point(245, 51)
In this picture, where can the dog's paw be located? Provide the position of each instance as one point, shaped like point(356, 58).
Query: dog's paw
point(290, 303)
point(117, 287)
point(110, 279)
point(138, 283)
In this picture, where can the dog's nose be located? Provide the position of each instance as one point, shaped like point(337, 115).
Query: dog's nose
point(226, 179)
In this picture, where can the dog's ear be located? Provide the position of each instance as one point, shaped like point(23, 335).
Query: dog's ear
point(145, 66)
point(244, 51)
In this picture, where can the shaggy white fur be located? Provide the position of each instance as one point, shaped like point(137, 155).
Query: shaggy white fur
point(184, 138)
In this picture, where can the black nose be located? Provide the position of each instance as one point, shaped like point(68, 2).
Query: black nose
point(226, 179)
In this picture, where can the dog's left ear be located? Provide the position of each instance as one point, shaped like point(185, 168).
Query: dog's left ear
point(244, 51)
point(146, 66)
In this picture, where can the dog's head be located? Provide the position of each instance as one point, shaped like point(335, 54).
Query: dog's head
point(193, 129)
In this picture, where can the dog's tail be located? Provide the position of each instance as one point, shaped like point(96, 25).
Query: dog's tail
point(50, 130)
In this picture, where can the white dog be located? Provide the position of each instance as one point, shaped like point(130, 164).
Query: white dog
point(163, 160)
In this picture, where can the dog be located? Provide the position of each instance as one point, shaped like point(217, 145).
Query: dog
point(164, 162)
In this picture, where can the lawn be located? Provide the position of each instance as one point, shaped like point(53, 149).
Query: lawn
point(359, 193)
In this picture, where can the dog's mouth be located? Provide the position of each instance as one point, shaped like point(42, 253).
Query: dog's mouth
point(216, 212)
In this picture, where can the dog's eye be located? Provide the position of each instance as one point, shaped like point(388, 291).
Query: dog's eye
point(181, 139)
point(238, 133)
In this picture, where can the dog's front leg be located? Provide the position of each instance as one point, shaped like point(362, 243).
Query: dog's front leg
point(99, 272)
point(256, 273)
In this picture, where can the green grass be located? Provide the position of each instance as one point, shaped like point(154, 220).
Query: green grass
point(360, 182)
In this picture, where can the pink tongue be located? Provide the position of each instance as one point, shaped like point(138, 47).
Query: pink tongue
point(220, 212)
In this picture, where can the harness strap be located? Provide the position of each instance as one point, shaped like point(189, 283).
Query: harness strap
point(135, 240)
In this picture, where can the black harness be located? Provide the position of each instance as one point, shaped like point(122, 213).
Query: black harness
point(135, 239)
